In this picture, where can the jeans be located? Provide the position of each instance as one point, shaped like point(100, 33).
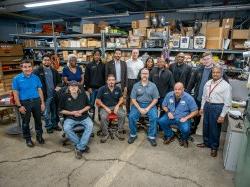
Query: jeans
point(34, 107)
point(50, 113)
point(134, 116)
point(80, 143)
point(92, 97)
point(165, 124)
point(211, 129)
point(104, 122)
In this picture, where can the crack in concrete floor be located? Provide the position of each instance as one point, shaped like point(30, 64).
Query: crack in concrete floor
point(101, 160)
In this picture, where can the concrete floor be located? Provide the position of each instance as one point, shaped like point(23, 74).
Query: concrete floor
point(114, 163)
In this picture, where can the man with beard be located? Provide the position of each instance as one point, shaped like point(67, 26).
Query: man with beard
point(180, 70)
point(216, 102)
point(180, 108)
point(144, 97)
point(50, 79)
point(110, 100)
point(74, 106)
point(28, 96)
point(118, 68)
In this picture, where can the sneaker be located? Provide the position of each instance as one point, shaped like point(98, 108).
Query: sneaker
point(86, 150)
point(131, 139)
point(40, 139)
point(104, 138)
point(29, 143)
point(49, 131)
point(120, 136)
point(78, 154)
point(152, 142)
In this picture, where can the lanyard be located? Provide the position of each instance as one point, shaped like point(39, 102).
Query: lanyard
point(210, 91)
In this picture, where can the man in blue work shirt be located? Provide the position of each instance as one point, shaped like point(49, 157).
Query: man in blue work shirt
point(179, 107)
point(28, 95)
point(144, 97)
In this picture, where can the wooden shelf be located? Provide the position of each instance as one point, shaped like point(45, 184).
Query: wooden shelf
point(11, 70)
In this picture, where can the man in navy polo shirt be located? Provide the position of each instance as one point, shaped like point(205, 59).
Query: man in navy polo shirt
point(179, 107)
point(144, 97)
point(28, 95)
point(110, 99)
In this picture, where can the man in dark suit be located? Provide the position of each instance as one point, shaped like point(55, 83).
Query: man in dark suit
point(118, 68)
point(198, 79)
point(180, 70)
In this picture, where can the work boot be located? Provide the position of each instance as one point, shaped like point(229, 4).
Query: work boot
point(168, 140)
point(57, 128)
point(29, 143)
point(152, 142)
point(86, 150)
point(40, 139)
point(49, 131)
point(78, 154)
point(131, 139)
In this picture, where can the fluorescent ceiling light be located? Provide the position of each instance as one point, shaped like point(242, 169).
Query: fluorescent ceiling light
point(107, 16)
point(47, 3)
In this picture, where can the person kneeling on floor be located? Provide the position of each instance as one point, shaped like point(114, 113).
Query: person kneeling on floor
point(110, 99)
point(144, 97)
point(74, 105)
point(179, 107)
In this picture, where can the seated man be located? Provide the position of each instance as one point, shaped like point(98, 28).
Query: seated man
point(179, 107)
point(144, 97)
point(110, 99)
point(74, 105)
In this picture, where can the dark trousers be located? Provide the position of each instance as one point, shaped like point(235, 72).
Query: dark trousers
point(196, 119)
point(130, 85)
point(32, 106)
point(211, 129)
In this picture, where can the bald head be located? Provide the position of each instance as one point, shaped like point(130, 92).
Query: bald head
point(178, 89)
point(180, 58)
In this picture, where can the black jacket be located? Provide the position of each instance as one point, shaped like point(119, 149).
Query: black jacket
point(195, 80)
point(110, 69)
point(40, 73)
point(164, 83)
point(94, 76)
point(184, 74)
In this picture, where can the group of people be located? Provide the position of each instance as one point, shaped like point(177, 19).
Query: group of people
point(161, 93)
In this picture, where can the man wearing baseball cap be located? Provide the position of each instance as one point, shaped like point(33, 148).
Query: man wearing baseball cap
point(74, 106)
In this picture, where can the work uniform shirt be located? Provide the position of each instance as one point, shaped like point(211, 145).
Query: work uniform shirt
point(67, 102)
point(218, 92)
point(133, 68)
point(182, 108)
point(27, 86)
point(144, 94)
point(108, 97)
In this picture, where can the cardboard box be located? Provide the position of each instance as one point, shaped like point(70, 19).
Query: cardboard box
point(214, 32)
point(213, 24)
point(203, 29)
point(65, 55)
point(228, 23)
point(214, 43)
point(241, 34)
point(135, 24)
point(238, 44)
point(90, 28)
point(64, 43)
point(144, 23)
point(140, 32)
point(149, 32)
point(189, 31)
point(134, 43)
point(83, 42)
point(147, 15)
point(74, 43)
point(103, 25)
point(94, 43)
point(10, 50)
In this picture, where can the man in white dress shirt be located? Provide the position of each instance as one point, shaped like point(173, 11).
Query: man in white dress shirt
point(134, 65)
point(216, 102)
